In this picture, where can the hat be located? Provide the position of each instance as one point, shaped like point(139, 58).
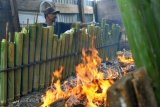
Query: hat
point(50, 10)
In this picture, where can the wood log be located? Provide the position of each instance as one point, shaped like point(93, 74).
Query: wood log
point(122, 93)
point(133, 90)
point(143, 89)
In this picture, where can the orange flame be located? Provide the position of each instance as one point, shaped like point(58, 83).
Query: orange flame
point(91, 84)
point(125, 60)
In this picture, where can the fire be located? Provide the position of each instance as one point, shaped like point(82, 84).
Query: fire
point(90, 83)
point(125, 60)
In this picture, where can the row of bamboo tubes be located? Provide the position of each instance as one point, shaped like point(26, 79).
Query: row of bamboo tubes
point(36, 44)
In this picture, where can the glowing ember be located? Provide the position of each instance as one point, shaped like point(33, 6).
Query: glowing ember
point(91, 86)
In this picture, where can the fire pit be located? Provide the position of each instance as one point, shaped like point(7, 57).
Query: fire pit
point(89, 87)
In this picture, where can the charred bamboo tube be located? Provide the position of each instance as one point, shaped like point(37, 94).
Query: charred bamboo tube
point(10, 59)
point(49, 52)
point(3, 75)
point(18, 39)
point(24, 87)
point(54, 53)
point(143, 35)
point(32, 35)
point(37, 55)
point(43, 56)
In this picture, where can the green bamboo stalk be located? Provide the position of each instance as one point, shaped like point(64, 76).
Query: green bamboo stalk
point(79, 46)
point(24, 86)
point(3, 75)
point(70, 62)
point(57, 63)
point(18, 61)
point(10, 59)
point(37, 42)
point(115, 34)
point(43, 56)
point(49, 52)
point(67, 59)
point(54, 53)
point(62, 51)
point(107, 32)
point(143, 35)
point(32, 73)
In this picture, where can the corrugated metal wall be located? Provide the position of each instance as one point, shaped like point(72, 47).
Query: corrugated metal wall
point(108, 9)
point(67, 18)
point(63, 17)
point(88, 17)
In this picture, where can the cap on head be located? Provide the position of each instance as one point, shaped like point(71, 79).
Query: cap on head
point(50, 10)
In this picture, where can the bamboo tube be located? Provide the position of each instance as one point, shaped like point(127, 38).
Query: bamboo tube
point(32, 35)
point(24, 86)
point(115, 34)
point(78, 57)
point(58, 53)
point(49, 52)
point(107, 32)
point(62, 51)
point(43, 56)
point(98, 37)
point(54, 53)
point(18, 61)
point(143, 35)
point(10, 59)
point(64, 72)
point(38, 41)
point(3, 75)
point(67, 58)
point(83, 38)
point(69, 62)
